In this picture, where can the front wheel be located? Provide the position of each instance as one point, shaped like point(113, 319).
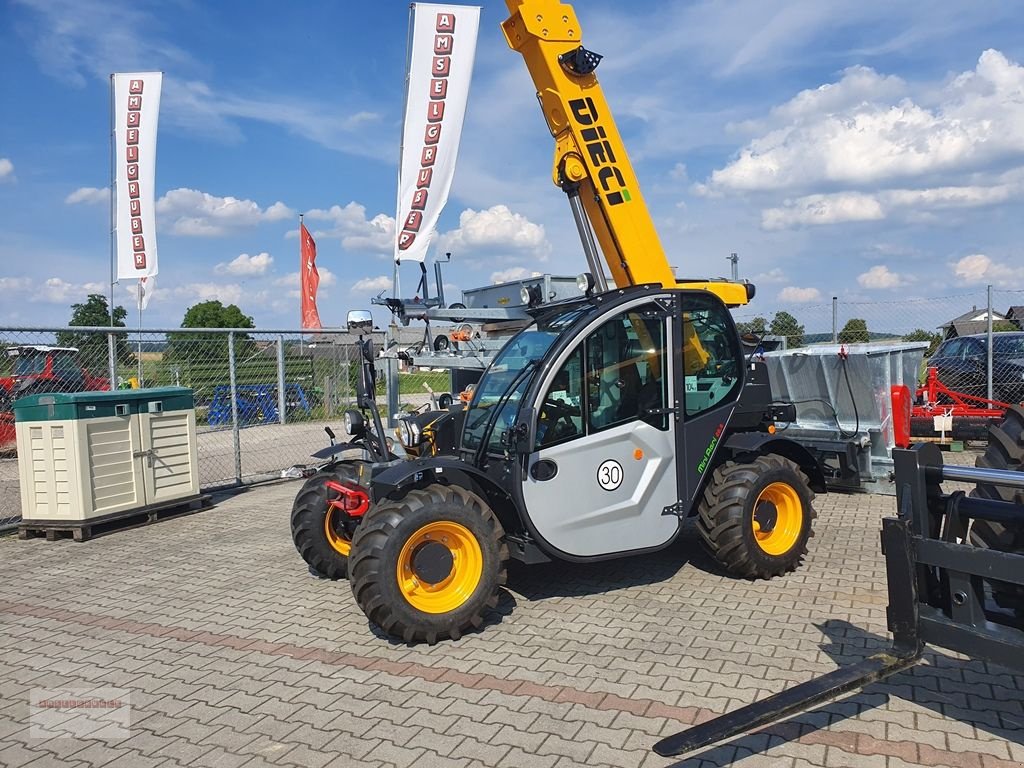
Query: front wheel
point(755, 519)
point(322, 535)
point(428, 566)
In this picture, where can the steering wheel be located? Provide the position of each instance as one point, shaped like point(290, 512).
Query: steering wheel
point(560, 423)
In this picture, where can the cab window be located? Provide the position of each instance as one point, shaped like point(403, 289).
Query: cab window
point(711, 355)
point(616, 375)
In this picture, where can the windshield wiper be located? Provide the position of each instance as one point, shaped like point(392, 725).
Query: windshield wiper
point(485, 436)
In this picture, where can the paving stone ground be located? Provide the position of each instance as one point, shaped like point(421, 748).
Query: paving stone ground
point(233, 655)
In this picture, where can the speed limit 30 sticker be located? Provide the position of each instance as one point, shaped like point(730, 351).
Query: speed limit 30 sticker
point(609, 474)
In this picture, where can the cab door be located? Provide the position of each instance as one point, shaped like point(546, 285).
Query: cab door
point(601, 478)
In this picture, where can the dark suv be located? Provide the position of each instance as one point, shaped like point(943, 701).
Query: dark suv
point(962, 365)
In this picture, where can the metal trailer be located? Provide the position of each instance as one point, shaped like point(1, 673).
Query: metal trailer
point(844, 406)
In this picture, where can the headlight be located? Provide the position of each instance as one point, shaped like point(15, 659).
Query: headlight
point(415, 429)
point(406, 432)
point(353, 423)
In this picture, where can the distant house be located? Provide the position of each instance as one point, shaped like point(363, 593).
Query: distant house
point(975, 321)
point(1016, 316)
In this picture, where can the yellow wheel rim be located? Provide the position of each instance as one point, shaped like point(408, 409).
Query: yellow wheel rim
point(339, 543)
point(778, 518)
point(424, 576)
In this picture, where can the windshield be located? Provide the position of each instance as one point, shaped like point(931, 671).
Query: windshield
point(1010, 345)
point(504, 382)
point(29, 363)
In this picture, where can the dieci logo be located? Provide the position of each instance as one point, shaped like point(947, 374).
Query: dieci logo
point(600, 151)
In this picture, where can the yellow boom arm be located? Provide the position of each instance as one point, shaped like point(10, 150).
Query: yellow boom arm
point(588, 147)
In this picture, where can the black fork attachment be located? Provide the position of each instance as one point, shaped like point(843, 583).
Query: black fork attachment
point(939, 593)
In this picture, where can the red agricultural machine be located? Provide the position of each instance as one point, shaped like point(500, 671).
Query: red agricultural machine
point(945, 414)
point(39, 368)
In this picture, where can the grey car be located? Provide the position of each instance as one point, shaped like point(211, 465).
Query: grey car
point(962, 365)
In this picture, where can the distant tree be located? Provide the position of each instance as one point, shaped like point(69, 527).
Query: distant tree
point(855, 330)
point(784, 324)
point(920, 334)
point(92, 347)
point(758, 326)
point(210, 346)
point(999, 326)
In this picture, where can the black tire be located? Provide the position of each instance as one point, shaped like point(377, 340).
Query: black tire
point(1005, 451)
point(457, 305)
point(378, 549)
point(309, 524)
point(739, 492)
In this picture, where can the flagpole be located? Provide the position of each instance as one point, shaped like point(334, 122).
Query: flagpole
point(113, 213)
point(139, 356)
point(302, 267)
point(111, 340)
point(395, 285)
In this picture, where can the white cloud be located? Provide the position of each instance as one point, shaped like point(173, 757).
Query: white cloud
point(278, 212)
point(978, 268)
point(356, 232)
point(496, 228)
point(88, 195)
point(880, 277)
point(796, 295)
point(679, 173)
point(841, 207)
point(6, 170)
point(823, 209)
point(774, 275)
point(372, 285)
point(857, 132)
point(226, 293)
point(53, 290)
point(16, 285)
point(244, 264)
point(515, 273)
point(58, 291)
point(201, 214)
point(79, 40)
point(951, 197)
point(291, 281)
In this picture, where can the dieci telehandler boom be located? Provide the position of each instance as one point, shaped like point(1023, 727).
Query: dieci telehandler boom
point(604, 423)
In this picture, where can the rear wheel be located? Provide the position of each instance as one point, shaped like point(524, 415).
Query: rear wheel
point(755, 519)
point(322, 534)
point(1005, 451)
point(428, 566)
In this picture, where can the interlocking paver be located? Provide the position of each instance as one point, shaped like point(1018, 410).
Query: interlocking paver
point(595, 663)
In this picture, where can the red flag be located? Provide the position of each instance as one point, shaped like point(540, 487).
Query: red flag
point(309, 280)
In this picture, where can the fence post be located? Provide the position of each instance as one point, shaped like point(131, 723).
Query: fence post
point(988, 343)
point(112, 360)
point(235, 435)
point(391, 382)
point(835, 320)
point(281, 399)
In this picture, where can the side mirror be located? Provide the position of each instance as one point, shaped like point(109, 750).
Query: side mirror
point(360, 320)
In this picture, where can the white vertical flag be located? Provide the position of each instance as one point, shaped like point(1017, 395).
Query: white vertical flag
point(440, 68)
point(146, 286)
point(136, 109)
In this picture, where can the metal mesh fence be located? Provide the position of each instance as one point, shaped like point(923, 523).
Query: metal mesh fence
point(262, 398)
point(955, 326)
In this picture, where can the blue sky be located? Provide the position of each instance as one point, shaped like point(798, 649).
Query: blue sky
point(865, 149)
